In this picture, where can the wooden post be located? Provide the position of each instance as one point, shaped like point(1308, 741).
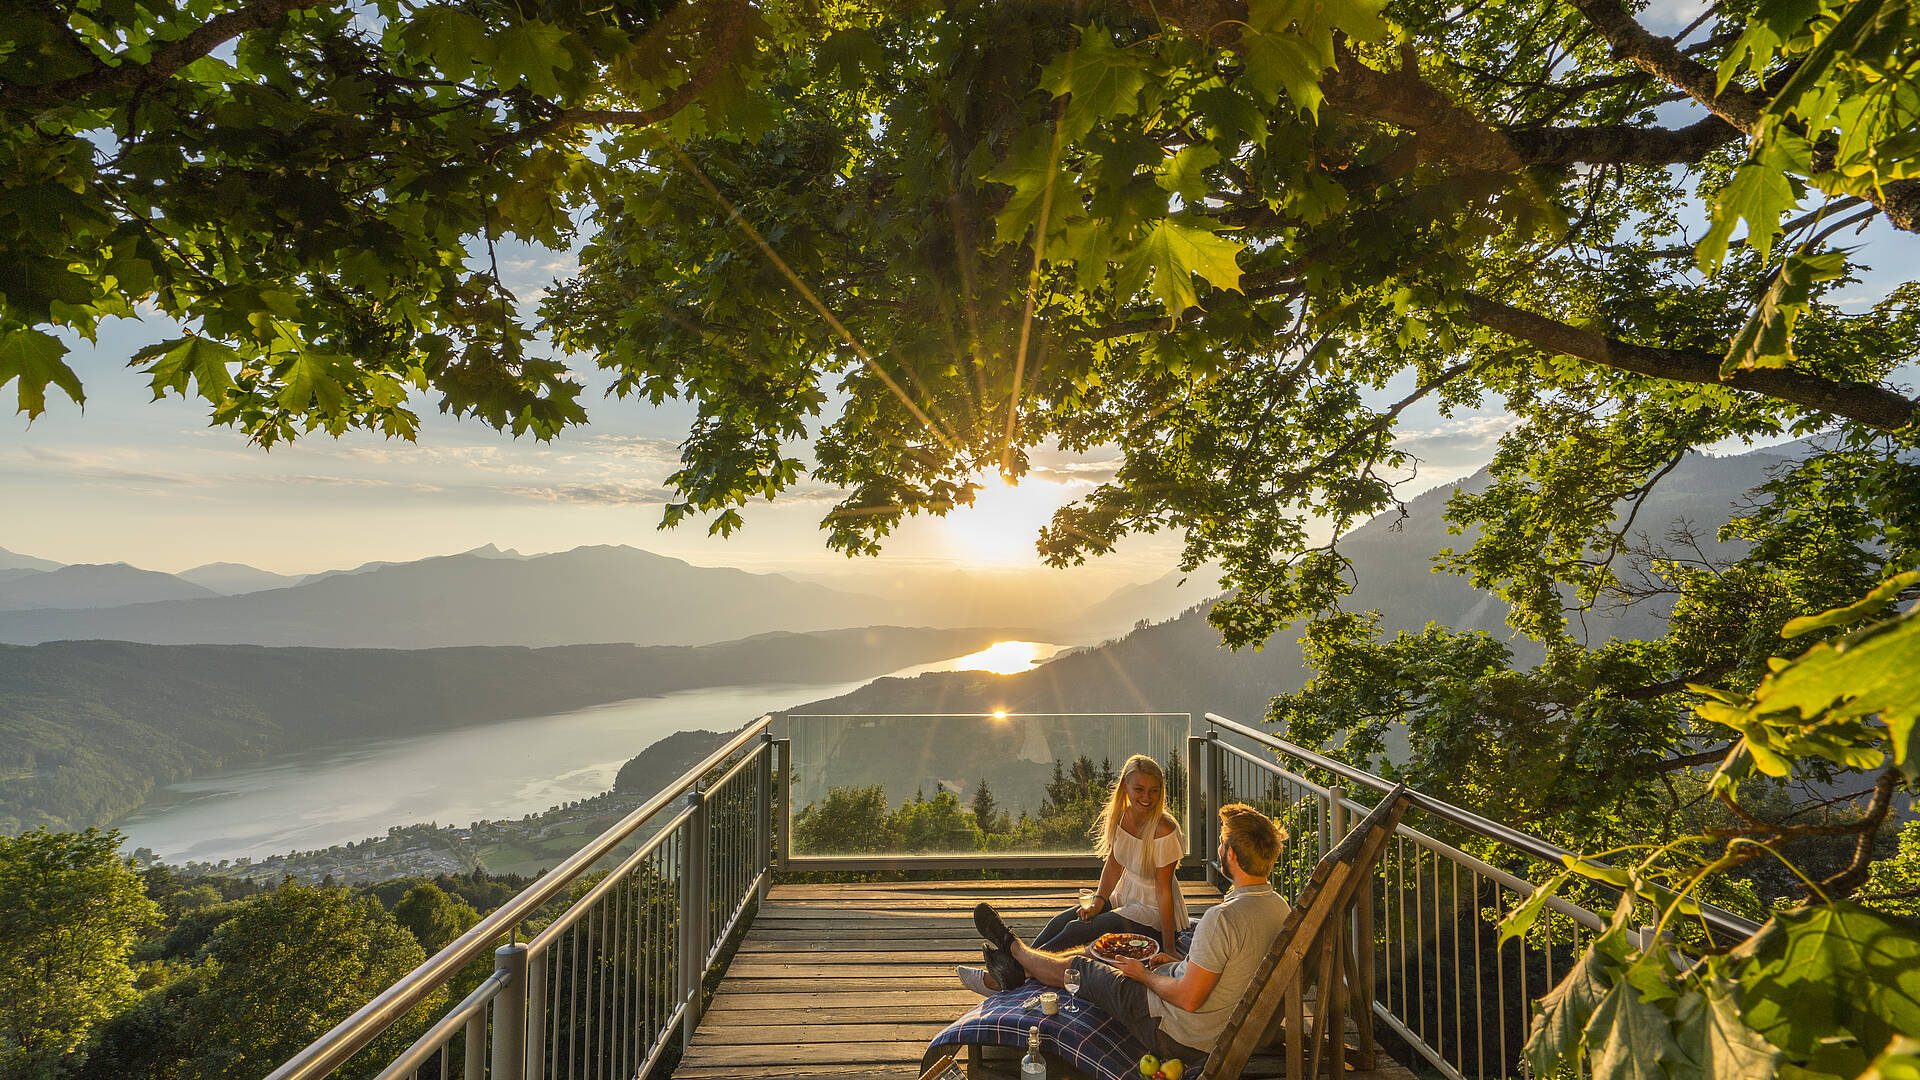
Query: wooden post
point(1356, 954)
point(1296, 1026)
point(1363, 974)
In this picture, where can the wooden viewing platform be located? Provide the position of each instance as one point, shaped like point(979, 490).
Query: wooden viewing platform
point(853, 980)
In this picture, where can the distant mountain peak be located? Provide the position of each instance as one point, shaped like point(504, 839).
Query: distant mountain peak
point(491, 551)
point(13, 560)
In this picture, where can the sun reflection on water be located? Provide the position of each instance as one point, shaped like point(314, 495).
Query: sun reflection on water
point(1003, 657)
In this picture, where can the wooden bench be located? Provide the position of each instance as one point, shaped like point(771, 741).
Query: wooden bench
point(1312, 944)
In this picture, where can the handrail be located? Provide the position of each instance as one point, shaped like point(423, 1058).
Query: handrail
point(353, 1034)
point(424, 1046)
point(1719, 918)
point(606, 884)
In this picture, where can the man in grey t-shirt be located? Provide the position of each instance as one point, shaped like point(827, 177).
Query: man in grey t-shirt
point(1177, 1008)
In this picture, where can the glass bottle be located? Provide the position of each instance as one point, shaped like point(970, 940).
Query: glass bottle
point(1033, 1066)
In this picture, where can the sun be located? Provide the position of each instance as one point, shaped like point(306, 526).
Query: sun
point(1003, 522)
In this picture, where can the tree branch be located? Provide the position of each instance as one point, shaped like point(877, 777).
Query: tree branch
point(1661, 56)
point(1855, 875)
point(1865, 403)
point(1675, 685)
point(1447, 131)
point(727, 30)
point(1704, 757)
point(1620, 145)
point(166, 59)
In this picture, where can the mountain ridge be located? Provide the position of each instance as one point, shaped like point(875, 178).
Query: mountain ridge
point(588, 595)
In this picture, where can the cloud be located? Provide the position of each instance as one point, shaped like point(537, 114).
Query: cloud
point(1078, 473)
point(1459, 441)
point(318, 480)
point(604, 493)
point(109, 469)
point(1672, 16)
point(634, 448)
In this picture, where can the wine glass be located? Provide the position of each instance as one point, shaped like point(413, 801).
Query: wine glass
point(1071, 983)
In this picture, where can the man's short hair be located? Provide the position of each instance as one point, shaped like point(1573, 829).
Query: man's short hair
point(1253, 837)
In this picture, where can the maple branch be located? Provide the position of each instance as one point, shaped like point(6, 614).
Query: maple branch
point(1704, 757)
point(1865, 403)
point(165, 60)
point(1673, 686)
point(1855, 875)
point(1620, 145)
point(1661, 57)
point(728, 31)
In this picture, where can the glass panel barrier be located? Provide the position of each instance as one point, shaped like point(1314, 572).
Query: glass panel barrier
point(957, 783)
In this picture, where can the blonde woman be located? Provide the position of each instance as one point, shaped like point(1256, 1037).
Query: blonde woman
point(1142, 845)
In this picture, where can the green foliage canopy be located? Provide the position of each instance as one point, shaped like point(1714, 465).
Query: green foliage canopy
point(71, 909)
point(1825, 988)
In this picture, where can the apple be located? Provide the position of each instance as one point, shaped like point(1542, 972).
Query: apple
point(1148, 1066)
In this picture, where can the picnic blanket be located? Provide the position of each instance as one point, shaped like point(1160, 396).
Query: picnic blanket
point(1087, 1039)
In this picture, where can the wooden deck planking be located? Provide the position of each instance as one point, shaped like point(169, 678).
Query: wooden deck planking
point(853, 980)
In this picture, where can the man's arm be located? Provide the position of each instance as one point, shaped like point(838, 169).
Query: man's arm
point(1188, 992)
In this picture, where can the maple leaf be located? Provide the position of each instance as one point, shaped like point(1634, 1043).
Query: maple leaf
point(1034, 172)
point(311, 385)
point(1718, 1042)
point(1766, 341)
point(1105, 80)
point(1170, 256)
point(34, 358)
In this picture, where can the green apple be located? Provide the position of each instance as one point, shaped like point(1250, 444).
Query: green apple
point(1148, 1066)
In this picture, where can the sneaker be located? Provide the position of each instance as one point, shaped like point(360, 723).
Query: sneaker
point(991, 926)
point(1003, 968)
point(975, 979)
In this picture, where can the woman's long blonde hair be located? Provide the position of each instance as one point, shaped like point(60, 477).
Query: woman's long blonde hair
point(1108, 824)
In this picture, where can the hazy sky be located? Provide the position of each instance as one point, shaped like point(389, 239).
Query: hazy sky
point(149, 483)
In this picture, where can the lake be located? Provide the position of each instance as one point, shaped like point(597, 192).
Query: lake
point(317, 798)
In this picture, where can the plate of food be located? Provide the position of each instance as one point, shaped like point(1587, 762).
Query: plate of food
point(1115, 946)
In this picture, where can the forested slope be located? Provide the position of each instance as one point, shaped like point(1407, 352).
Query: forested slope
point(87, 728)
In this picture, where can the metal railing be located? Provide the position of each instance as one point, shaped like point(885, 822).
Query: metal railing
point(1428, 961)
point(624, 932)
point(610, 979)
point(900, 752)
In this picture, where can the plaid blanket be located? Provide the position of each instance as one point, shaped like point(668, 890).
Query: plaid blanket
point(1087, 1039)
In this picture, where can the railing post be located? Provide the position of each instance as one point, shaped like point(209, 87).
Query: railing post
point(1216, 769)
point(763, 816)
point(510, 1015)
point(1196, 822)
point(693, 913)
point(783, 806)
point(537, 1014)
point(473, 1054)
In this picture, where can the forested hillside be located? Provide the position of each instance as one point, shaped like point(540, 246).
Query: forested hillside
point(87, 728)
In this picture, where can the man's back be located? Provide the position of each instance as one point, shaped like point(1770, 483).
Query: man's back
point(1231, 938)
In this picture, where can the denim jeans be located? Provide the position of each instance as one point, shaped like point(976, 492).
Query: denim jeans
point(1068, 931)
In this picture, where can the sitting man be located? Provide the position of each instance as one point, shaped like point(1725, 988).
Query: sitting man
point(1186, 1003)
